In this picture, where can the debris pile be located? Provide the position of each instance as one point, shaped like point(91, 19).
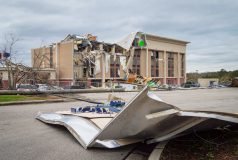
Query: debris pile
point(98, 59)
point(112, 107)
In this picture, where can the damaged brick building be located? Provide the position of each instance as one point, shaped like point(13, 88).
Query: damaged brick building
point(84, 58)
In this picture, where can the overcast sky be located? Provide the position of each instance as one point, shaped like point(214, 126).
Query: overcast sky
point(210, 25)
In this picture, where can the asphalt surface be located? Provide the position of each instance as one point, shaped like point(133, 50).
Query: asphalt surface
point(22, 137)
point(223, 100)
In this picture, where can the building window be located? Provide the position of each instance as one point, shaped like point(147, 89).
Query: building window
point(84, 72)
point(92, 72)
point(136, 63)
point(154, 64)
point(114, 66)
point(1, 76)
point(170, 64)
point(182, 65)
point(51, 57)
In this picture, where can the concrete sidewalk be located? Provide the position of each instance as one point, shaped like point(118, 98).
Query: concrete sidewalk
point(31, 102)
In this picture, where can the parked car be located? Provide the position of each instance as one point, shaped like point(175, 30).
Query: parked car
point(43, 87)
point(46, 87)
point(190, 84)
point(26, 87)
point(57, 88)
point(81, 86)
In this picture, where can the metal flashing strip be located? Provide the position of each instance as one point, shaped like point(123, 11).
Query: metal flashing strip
point(162, 114)
point(171, 134)
point(219, 116)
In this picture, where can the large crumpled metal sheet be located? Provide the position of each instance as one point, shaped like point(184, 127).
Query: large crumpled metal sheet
point(127, 41)
point(144, 118)
point(82, 129)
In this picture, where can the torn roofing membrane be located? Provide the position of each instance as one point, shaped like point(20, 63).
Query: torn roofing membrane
point(126, 43)
point(145, 118)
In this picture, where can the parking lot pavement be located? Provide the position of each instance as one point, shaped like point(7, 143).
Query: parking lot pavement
point(215, 100)
point(24, 137)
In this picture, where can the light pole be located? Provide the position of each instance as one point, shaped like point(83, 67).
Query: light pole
point(197, 75)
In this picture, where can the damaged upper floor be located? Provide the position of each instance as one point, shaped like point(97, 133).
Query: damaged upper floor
point(84, 57)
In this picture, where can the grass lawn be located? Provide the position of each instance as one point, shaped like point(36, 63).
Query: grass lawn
point(11, 98)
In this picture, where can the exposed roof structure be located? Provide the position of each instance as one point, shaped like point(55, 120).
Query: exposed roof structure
point(168, 39)
point(127, 41)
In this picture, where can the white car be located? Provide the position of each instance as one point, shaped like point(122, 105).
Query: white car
point(26, 87)
point(46, 87)
point(43, 87)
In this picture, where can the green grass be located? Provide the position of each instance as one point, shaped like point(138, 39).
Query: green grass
point(12, 98)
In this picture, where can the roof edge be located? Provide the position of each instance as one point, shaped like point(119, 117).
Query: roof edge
point(167, 38)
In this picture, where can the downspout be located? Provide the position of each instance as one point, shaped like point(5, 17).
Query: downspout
point(73, 64)
point(147, 58)
point(165, 67)
point(57, 63)
point(103, 65)
point(178, 68)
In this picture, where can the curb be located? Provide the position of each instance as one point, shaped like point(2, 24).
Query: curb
point(32, 102)
point(13, 92)
point(156, 153)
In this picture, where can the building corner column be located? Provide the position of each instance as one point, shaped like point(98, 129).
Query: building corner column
point(57, 63)
point(103, 66)
point(179, 69)
point(165, 68)
point(185, 67)
point(147, 62)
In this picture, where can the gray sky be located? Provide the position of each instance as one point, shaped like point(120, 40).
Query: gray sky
point(210, 25)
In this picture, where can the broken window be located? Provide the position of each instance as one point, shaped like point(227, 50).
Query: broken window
point(154, 64)
point(114, 66)
point(92, 72)
point(118, 49)
point(84, 72)
point(136, 63)
point(76, 60)
point(170, 64)
point(107, 48)
point(135, 42)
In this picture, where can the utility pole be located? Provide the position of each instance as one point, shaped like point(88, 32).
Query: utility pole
point(103, 65)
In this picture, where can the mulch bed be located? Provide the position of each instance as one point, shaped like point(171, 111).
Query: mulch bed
point(217, 144)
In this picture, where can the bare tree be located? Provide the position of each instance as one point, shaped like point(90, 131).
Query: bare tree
point(19, 73)
point(9, 60)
